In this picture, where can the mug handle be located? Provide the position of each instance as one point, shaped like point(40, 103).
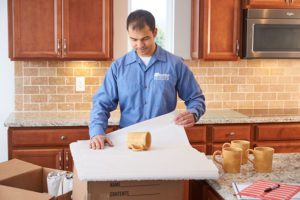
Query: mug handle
point(136, 148)
point(226, 145)
point(214, 157)
point(248, 152)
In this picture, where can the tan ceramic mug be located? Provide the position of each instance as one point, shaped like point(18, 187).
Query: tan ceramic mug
point(139, 141)
point(263, 158)
point(243, 144)
point(232, 159)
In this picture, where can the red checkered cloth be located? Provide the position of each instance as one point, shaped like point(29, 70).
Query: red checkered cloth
point(284, 192)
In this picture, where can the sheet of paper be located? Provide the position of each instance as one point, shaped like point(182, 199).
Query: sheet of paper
point(170, 156)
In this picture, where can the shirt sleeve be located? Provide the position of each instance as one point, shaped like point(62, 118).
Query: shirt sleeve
point(190, 92)
point(104, 101)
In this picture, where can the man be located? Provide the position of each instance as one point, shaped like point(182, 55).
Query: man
point(145, 83)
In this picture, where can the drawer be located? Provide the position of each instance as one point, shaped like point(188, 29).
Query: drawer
point(228, 133)
point(281, 147)
point(277, 132)
point(196, 134)
point(47, 136)
point(200, 147)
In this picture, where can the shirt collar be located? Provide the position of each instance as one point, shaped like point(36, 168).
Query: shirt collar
point(159, 54)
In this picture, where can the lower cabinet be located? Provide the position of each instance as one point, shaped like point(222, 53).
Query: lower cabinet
point(46, 146)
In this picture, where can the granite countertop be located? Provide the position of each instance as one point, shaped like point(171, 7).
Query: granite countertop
point(226, 116)
point(286, 169)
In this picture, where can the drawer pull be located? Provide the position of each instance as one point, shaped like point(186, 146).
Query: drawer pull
point(63, 137)
point(231, 133)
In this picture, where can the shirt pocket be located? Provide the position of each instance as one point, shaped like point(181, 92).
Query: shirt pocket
point(164, 91)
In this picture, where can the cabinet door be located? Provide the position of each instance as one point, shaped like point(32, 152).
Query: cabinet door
point(196, 29)
point(51, 158)
point(221, 29)
point(87, 29)
point(34, 28)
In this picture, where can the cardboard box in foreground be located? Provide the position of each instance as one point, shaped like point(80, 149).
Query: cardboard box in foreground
point(22, 180)
point(126, 190)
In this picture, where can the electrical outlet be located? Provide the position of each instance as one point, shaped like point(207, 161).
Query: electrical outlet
point(80, 84)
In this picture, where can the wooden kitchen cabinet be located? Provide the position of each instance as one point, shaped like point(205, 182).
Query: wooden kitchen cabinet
point(215, 32)
point(60, 29)
point(46, 146)
point(283, 137)
point(271, 4)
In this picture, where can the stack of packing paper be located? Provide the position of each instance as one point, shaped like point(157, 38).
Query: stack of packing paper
point(170, 156)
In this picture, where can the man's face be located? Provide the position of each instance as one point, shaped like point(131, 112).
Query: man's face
point(143, 40)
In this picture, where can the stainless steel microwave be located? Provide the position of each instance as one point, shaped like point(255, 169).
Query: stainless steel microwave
point(271, 33)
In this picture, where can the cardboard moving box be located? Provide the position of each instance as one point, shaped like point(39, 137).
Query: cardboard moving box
point(22, 180)
point(127, 190)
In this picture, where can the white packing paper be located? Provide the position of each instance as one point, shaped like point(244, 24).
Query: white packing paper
point(170, 156)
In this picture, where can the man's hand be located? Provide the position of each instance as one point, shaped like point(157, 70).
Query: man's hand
point(185, 119)
point(99, 141)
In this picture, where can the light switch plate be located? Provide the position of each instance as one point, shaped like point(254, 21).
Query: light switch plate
point(80, 84)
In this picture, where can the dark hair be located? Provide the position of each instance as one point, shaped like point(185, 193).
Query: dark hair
point(139, 19)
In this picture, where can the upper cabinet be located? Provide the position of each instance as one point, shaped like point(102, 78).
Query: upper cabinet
point(272, 4)
point(60, 29)
point(215, 33)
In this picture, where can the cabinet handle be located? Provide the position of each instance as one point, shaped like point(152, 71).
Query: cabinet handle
point(67, 160)
point(237, 47)
point(231, 133)
point(65, 46)
point(60, 159)
point(63, 137)
point(58, 47)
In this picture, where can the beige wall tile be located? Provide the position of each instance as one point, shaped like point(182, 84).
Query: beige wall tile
point(48, 107)
point(31, 89)
point(74, 98)
point(47, 71)
point(65, 71)
point(57, 80)
point(47, 89)
point(56, 98)
point(29, 71)
point(82, 72)
point(83, 106)
point(65, 89)
point(31, 107)
point(39, 98)
point(39, 81)
point(65, 106)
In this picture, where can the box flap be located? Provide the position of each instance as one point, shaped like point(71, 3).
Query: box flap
point(20, 174)
point(10, 193)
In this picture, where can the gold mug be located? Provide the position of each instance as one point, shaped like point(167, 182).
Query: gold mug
point(243, 144)
point(139, 141)
point(263, 158)
point(232, 159)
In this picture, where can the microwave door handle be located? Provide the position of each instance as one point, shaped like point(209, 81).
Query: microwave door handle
point(237, 47)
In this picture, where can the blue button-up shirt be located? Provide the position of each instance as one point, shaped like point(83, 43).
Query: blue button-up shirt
point(144, 92)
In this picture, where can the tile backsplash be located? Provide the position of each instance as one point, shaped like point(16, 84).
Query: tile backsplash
point(271, 83)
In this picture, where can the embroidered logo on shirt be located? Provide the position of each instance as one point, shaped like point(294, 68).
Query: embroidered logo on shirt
point(163, 77)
